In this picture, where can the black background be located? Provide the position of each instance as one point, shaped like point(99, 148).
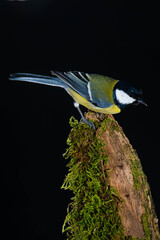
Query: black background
point(114, 39)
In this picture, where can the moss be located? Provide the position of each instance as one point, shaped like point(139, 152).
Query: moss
point(133, 238)
point(104, 125)
point(139, 177)
point(145, 224)
point(135, 173)
point(140, 182)
point(93, 212)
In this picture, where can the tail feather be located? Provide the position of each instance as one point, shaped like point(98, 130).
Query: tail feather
point(34, 78)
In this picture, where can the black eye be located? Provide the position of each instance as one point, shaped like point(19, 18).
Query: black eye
point(136, 94)
point(135, 103)
point(132, 95)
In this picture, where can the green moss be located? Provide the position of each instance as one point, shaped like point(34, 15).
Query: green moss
point(133, 238)
point(135, 172)
point(138, 175)
point(93, 212)
point(146, 229)
point(140, 182)
point(104, 125)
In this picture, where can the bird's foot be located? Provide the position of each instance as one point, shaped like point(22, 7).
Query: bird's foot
point(83, 118)
point(90, 124)
point(98, 115)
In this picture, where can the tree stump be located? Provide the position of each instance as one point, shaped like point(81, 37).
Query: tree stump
point(112, 199)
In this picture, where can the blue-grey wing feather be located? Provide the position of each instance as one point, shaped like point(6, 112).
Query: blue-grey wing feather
point(75, 81)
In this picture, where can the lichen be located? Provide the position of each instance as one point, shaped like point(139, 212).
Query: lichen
point(93, 212)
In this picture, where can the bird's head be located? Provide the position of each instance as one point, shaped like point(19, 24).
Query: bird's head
point(124, 94)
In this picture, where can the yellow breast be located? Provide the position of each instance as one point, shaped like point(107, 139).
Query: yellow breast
point(113, 109)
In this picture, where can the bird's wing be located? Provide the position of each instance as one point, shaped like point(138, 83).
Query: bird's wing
point(78, 81)
point(97, 89)
point(102, 89)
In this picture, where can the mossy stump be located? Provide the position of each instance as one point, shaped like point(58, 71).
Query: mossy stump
point(112, 199)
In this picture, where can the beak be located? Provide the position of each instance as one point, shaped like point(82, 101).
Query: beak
point(141, 101)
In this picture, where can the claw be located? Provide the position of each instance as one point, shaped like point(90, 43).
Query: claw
point(90, 124)
point(98, 115)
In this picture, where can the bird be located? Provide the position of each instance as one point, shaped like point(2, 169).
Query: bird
point(96, 92)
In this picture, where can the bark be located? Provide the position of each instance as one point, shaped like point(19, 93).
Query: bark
point(136, 209)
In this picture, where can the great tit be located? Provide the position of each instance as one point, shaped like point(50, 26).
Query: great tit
point(99, 93)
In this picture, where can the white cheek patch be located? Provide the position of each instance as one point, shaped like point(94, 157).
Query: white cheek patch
point(123, 97)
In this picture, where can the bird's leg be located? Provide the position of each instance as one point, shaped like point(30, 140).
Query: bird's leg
point(83, 118)
point(98, 115)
